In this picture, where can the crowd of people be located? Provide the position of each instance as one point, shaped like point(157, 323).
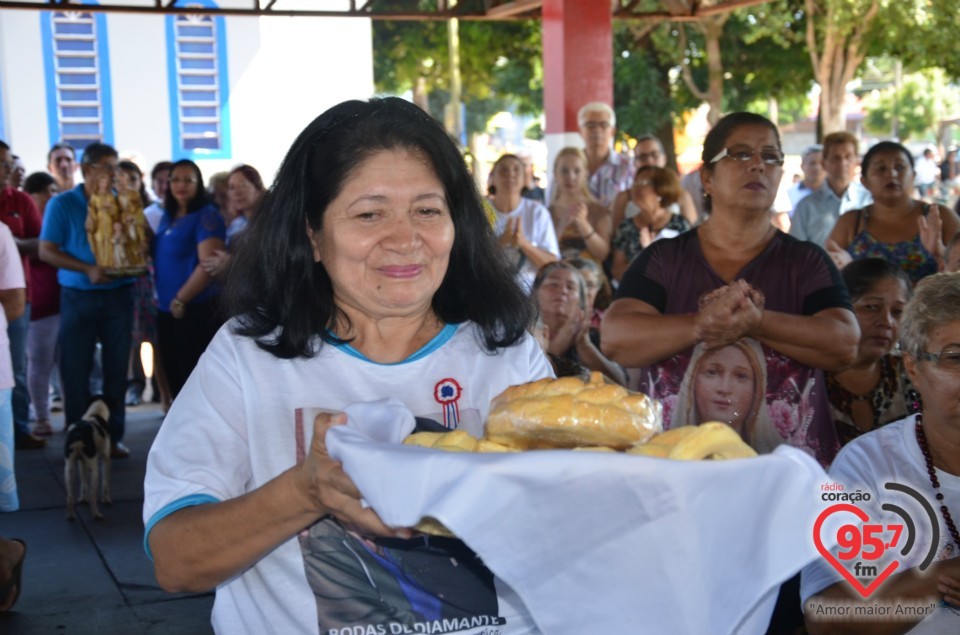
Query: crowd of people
point(107, 266)
point(373, 263)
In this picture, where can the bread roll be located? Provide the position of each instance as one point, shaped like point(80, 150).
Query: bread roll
point(569, 413)
point(712, 440)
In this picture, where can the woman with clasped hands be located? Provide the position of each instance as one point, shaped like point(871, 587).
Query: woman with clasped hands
point(524, 226)
point(922, 452)
point(733, 277)
point(370, 271)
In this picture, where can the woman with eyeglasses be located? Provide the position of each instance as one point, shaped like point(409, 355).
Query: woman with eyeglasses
point(906, 231)
point(187, 307)
point(647, 215)
point(737, 277)
point(922, 453)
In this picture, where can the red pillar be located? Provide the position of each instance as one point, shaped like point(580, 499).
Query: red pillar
point(577, 60)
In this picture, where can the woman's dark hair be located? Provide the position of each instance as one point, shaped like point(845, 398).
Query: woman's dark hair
point(284, 299)
point(37, 182)
point(130, 166)
point(200, 198)
point(716, 139)
point(861, 275)
point(162, 166)
point(250, 173)
point(885, 146)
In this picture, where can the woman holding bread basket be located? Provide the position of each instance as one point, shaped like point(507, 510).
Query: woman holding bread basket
point(358, 280)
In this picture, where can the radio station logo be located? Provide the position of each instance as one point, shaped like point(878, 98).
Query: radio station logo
point(871, 551)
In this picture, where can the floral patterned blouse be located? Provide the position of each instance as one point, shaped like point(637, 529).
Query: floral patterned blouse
point(909, 255)
point(893, 398)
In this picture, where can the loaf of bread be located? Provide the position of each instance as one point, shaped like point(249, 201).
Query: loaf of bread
point(711, 440)
point(570, 413)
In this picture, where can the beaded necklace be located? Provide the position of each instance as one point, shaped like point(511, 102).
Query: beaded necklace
point(934, 481)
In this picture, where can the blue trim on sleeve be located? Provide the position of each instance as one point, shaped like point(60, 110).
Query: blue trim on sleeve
point(175, 506)
point(439, 340)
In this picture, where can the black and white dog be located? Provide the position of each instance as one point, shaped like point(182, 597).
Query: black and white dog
point(86, 447)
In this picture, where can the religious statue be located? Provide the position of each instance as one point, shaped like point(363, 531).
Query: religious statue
point(115, 230)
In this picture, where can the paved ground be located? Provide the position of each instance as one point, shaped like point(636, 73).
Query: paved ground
point(89, 577)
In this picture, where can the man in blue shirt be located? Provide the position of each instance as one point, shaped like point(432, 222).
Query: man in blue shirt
point(93, 306)
point(815, 215)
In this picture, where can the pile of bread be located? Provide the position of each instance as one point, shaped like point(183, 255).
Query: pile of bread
point(596, 415)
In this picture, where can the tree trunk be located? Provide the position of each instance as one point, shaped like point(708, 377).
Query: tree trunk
point(473, 144)
point(835, 54)
point(420, 93)
point(831, 110)
point(713, 30)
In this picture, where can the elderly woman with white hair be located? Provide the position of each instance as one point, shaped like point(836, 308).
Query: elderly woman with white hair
point(922, 452)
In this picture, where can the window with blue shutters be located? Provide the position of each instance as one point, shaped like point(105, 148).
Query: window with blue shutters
point(198, 81)
point(77, 78)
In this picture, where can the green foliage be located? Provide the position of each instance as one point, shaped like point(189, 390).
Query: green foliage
point(534, 131)
point(919, 104)
point(500, 64)
point(921, 33)
point(763, 55)
point(641, 89)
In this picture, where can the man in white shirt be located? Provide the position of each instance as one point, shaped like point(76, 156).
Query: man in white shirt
point(609, 172)
point(815, 215)
point(927, 172)
point(811, 163)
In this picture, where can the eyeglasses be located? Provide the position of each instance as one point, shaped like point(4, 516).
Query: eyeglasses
point(744, 154)
point(947, 359)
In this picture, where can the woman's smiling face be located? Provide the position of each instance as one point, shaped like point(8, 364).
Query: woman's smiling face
point(387, 237)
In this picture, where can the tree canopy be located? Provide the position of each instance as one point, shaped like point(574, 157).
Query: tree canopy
point(500, 65)
point(772, 51)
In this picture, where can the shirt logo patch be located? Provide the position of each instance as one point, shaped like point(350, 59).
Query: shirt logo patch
point(447, 393)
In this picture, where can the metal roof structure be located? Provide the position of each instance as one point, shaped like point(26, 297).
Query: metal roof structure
point(645, 10)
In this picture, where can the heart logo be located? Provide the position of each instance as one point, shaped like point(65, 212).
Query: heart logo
point(864, 591)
